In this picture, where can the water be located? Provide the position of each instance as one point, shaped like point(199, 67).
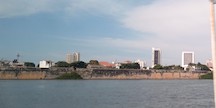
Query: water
point(106, 94)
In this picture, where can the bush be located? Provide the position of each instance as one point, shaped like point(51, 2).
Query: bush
point(207, 76)
point(72, 75)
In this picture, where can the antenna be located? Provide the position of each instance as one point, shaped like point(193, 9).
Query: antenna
point(18, 56)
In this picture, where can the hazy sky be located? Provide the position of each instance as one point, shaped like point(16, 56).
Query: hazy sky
point(106, 30)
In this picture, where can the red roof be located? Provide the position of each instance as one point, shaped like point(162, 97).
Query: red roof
point(106, 64)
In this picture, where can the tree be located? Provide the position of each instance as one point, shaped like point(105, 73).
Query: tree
point(173, 67)
point(15, 61)
point(93, 62)
point(72, 75)
point(203, 67)
point(158, 66)
point(79, 64)
point(62, 64)
point(178, 68)
point(200, 66)
point(29, 64)
point(130, 66)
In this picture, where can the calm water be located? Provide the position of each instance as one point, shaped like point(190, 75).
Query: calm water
point(106, 94)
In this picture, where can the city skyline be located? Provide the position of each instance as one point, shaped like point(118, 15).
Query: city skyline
point(104, 30)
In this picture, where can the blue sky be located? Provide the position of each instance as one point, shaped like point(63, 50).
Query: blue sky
point(105, 30)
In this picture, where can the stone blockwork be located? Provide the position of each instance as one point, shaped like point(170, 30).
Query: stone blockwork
point(98, 73)
point(23, 75)
point(143, 74)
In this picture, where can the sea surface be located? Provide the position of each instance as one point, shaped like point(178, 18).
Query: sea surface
point(106, 94)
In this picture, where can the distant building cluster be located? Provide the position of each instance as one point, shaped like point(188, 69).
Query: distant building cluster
point(70, 58)
point(188, 58)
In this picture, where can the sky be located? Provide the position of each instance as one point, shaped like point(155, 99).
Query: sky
point(104, 30)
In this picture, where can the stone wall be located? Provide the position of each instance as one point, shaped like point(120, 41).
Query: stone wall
point(23, 75)
point(98, 74)
point(143, 74)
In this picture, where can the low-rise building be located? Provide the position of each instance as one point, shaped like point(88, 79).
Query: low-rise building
point(141, 63)
point(107, 64)
point(45, 64)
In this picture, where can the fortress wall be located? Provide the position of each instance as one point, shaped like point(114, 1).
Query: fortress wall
point(8, 75)
point(143, 74)
point(101, 74)
point(167, 75)
point(22, 75)
point(31, 75)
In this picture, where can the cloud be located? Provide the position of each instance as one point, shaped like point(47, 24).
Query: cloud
point(167, 15)
point(171, 25)
point(177, 25)
point(97, 7)
point(12, 8)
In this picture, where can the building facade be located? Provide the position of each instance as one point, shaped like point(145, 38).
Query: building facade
point(69, 58)
point(45, 64)
point(76, 57)
point(141, 63)
point(156, 56)
point(187, 57)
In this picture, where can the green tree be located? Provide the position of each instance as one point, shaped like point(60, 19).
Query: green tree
point(207, 76)
point(178, 67)
point(93, 62)
point(130, 66)
point(62, 64)
point(72, 75)
point(200, 66)
point(173, 67)
point(29, 64)
point(79, 64)
point(158, 66)
point(203, 67)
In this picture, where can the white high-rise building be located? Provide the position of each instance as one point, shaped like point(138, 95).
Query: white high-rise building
point(76, 56)
point(187, 57)
point(69, 58)
point(156, 56)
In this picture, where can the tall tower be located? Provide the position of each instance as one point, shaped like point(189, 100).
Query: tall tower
point(187, 57)
point(76, 56)
point(69, 58)
point(156, 56)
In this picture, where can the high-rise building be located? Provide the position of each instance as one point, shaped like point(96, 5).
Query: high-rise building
point(187, 57)
point(156, 56)
point(76, 56)
point(69, 58)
